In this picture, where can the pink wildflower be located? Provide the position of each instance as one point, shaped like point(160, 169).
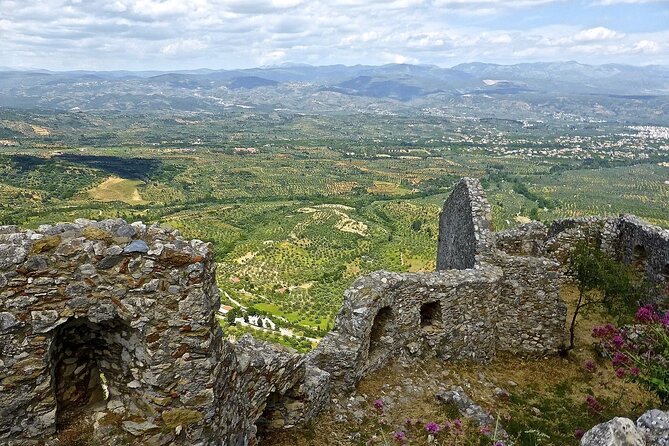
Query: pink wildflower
point(400, 437)
point(593, 404)
point(589, 366)
point(618, 359)
point(646, 314)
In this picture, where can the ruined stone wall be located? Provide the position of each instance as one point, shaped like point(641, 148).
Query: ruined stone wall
point(626, 238)
point(136, 303)
point(530, 314)
point(524, 240)
point(563, 235)
point(645, 246)
point(464, 227)
point(271, 387)
point(116, 322)
point(450, 314)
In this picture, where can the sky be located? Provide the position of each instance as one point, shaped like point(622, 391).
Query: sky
point(226, 34)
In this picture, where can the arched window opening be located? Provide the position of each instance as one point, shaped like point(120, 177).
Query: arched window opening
point(639, 259)
point(87, 365)
point(430, 315)
point(379, 329)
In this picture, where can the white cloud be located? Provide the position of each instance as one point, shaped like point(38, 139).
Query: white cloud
point(598, 33)
point(647, 46)
point(614, 2)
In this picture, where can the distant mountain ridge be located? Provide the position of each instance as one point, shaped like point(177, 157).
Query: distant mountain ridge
point(339, 87)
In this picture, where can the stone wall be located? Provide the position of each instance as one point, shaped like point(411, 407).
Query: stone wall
point(450, 314)
point(464, 227)
point(530, 314)
point(626, 238)
point(132, 302)
point(116, 323)
point(644, 246)
point(524, 240)
point(271, 387)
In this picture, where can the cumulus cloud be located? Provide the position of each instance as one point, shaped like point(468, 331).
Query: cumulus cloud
point(170, 34)
point(598, 33)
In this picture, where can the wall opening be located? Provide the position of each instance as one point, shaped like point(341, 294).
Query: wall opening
point(379, 329)
point(430, 315)
point(87, 366)
point(639, 259)
point(665, 273)
point(272, 417)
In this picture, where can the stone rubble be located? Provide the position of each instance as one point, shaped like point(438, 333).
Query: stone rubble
point(651, 429)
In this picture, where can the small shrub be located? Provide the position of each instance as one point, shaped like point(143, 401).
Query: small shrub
point(640, 352)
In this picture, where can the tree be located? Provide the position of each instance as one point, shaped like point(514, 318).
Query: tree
point(231, 315)
point(584, 267)
point(604, 281)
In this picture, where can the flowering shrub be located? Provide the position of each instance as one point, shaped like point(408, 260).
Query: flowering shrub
point(640, 352)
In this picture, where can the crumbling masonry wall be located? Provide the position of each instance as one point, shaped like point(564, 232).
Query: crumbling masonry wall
point(465, 231)
point(116, 322)
point(530, 314)
point(626, 238)
point(461, 325)
point(134, 302)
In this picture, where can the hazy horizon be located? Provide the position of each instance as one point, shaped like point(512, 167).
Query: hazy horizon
point(290, 64)
point(174, 35)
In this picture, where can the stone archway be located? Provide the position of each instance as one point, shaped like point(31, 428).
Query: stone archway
point(378, 331)
point(639, 259)
point(90, 368)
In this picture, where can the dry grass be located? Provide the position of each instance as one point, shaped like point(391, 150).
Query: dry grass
point(40, 131)
point(386, 188)
point(118, 189)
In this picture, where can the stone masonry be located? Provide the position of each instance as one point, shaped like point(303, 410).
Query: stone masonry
point(529, 313)
point(465, 231)
point(116, 323)
point(90, 302)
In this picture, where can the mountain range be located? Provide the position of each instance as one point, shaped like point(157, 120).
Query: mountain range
point(306, 88)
